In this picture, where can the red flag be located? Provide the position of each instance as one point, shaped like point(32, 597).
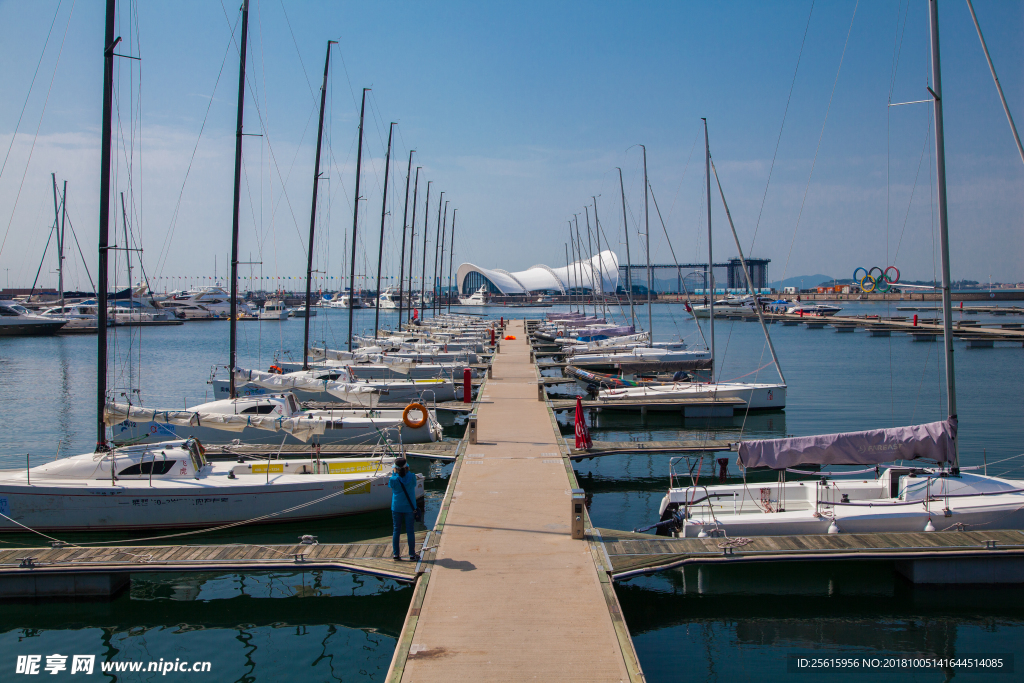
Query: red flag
point(582, 433)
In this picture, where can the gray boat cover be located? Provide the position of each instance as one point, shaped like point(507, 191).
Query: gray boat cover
point(933, 441)
point(301, 427)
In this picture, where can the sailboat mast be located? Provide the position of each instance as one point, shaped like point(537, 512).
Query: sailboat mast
point(312, 210)
point(405, 228)
point(629, 262)
point(600, 259)
point(579, 259)
point(426, 231)
point(58, 226)
point(590, 250)
point(647, 240)
point(439, 244)
point(567, 278)
point(940, 168)
point(412, 240)
point(355, 223)
point(383, 213)
point(575, 266)
point(60, 242)
point(710, 289)
point(101, 308)
point(233, 321)
point(451, 260)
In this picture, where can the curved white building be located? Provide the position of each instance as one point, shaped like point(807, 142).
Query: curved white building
point(600, 271)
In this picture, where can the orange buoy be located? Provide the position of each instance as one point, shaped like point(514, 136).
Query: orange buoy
point(415, 424)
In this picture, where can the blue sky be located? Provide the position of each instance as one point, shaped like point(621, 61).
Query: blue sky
point(520, 113)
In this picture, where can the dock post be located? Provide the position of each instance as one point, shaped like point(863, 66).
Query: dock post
point(490, 372)
point(576, 520)
point(467, 386)
point(471, 430)
point(541, 394)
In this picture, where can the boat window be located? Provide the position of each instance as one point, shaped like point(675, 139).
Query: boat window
point(162, 467)
point(291, 402)
point(259, 409)
point(4, 310)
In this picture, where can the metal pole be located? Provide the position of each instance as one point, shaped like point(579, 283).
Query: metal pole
point(451, 260)
point(355, 223)
point(233, 322)
point(405, 228)
point(383, 213)
point(940, 167)
point(312, 210)
point(579, 259)
point(412, 240)
point(999, 87)
point(101, 308)
point(423, 267)
point(629, 264)
point(711, 264)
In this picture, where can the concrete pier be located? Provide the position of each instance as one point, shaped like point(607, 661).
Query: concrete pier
point(511, 595)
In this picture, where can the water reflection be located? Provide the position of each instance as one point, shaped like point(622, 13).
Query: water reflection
point(727, 621)
point(256, 626)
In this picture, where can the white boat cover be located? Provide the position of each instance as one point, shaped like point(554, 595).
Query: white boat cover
point(361, 394)
point(303, 428)
point(933, 441)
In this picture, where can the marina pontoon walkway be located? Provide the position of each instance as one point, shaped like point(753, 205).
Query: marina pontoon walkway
point(510, 595)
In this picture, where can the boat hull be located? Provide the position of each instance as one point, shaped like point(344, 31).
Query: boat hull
point(207, 501)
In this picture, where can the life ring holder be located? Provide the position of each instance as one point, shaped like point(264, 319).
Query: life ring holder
point(409, 422)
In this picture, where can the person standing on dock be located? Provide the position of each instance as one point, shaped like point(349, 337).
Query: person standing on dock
point(403, 509)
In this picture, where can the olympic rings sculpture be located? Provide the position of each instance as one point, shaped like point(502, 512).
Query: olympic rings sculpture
point(880, 282)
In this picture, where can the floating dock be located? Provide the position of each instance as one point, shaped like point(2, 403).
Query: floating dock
point(84, 571)
point(511, 595)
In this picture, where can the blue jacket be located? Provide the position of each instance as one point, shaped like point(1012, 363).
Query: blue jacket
point(399, 503)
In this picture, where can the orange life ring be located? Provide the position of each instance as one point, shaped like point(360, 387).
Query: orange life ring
point(411, 424)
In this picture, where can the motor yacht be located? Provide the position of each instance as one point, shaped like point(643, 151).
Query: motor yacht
point(274, 309)
point(80, 316)
point(16, 320)
point(478, 298)
point(807, 308)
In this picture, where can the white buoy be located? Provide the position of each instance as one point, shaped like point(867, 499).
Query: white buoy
point(929, 526)
point(702, 534)
point(833, 528)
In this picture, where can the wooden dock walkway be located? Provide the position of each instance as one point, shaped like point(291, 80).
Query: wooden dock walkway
point(633, 554)
point(28, 572)
point(510, 595)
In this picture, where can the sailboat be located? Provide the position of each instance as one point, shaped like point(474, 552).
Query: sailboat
point(170, 484)
point(913, 496)
point(756, 395)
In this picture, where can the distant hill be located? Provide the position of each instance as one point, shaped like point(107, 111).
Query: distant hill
point(804, 281)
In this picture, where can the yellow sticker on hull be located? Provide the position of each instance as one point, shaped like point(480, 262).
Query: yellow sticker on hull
point(274, 469)
point(357, 488)
point(354, 468)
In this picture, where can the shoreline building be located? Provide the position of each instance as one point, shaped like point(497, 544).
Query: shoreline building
point(580, 277)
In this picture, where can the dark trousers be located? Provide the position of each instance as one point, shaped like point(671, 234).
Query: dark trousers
point(401, 519)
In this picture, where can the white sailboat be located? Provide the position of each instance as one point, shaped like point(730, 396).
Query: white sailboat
point(901, 497)
point(170, 484)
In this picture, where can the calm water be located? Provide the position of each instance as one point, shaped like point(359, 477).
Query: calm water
point(693, 625)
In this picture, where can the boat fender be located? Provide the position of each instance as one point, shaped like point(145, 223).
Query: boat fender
point(415, 424)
